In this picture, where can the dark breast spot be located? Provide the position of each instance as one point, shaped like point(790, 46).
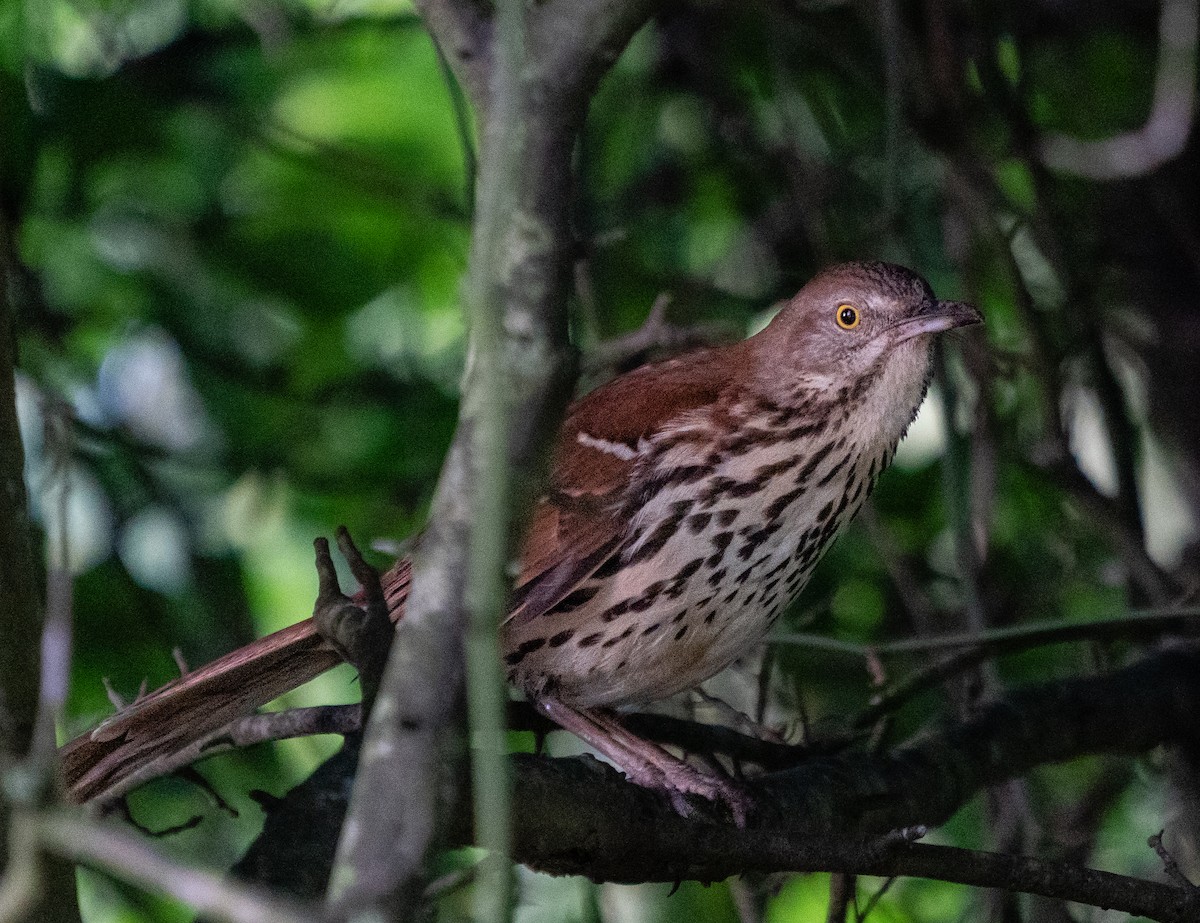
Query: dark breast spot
point(776, 507)
point(717, 487)
point(562, 637)
point(523, 650)
point(832, 473)
point(609, 568)
point(743, 489)
point(689, 569)
point(614, 612)
point(774, 469)
point(814, 460)
point(657, 539)
point(642, 603)
point(684, 474)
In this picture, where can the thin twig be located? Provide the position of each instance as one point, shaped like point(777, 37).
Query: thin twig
point(462, 124)
point(56, 630)
point(1001, 641)
point(488, 406)
point(655, 335)
point(129, 859)
point(245, 732)
point(860, 915)
point(842, 889)
point(1138, 624)
point(1170, 866)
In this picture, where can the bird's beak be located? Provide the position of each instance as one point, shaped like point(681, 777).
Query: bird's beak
point(936, 318)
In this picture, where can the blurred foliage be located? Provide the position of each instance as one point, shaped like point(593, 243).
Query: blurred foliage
point(243, 229)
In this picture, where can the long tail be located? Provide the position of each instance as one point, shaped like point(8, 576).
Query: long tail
point(205, 700)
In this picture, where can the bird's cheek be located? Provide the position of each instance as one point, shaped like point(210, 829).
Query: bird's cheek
point(869, 352)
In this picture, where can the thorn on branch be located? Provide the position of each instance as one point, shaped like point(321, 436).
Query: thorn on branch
point(115, 698)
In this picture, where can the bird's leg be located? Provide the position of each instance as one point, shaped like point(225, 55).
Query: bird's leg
point(359, 629)
point(645, 762)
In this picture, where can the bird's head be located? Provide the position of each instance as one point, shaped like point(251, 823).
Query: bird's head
point(859, 335)
point(857, 320)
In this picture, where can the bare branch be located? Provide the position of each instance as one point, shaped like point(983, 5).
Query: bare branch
point(530, 115)
point(130, 859)
point(245, 732)
point(619, 832)
point(1163, 136)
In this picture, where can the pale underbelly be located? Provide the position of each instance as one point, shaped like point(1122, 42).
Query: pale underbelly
point(628, 647)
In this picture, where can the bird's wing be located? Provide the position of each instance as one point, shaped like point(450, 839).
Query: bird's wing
point(582, 521)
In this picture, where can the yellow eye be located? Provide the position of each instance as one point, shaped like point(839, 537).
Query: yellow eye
point(847, 316)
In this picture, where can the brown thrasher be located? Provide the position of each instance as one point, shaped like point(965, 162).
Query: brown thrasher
point(688, 502)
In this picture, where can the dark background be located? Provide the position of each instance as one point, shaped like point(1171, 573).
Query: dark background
point(241, 236)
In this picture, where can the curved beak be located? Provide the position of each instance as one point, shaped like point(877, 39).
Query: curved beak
point(937, 317)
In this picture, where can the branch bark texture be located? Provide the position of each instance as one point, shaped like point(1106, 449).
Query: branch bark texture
point(31, 885)
point(617, 832)
point(841, 812)
point(529, 110)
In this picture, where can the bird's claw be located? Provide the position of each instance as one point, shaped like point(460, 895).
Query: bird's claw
point(677, 782)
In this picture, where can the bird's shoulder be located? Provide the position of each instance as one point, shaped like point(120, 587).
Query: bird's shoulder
point(607, 431)
point(581, 521)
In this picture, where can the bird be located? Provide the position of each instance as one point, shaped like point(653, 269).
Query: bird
point(687, 504)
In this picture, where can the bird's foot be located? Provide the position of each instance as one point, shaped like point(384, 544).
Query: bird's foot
point(677, 780)
point(358, 628)
point(647, 764)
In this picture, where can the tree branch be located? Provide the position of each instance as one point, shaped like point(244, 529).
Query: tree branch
point(34, 652)
point(245, 732)
point(836, 812)
point(618, 832)
point(20, 595)
point(530, 111)
point(130, 859)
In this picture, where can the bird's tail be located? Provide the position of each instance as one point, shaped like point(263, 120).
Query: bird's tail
point(205, 700)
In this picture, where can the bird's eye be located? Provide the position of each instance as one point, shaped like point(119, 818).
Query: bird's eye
point(847, 316)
